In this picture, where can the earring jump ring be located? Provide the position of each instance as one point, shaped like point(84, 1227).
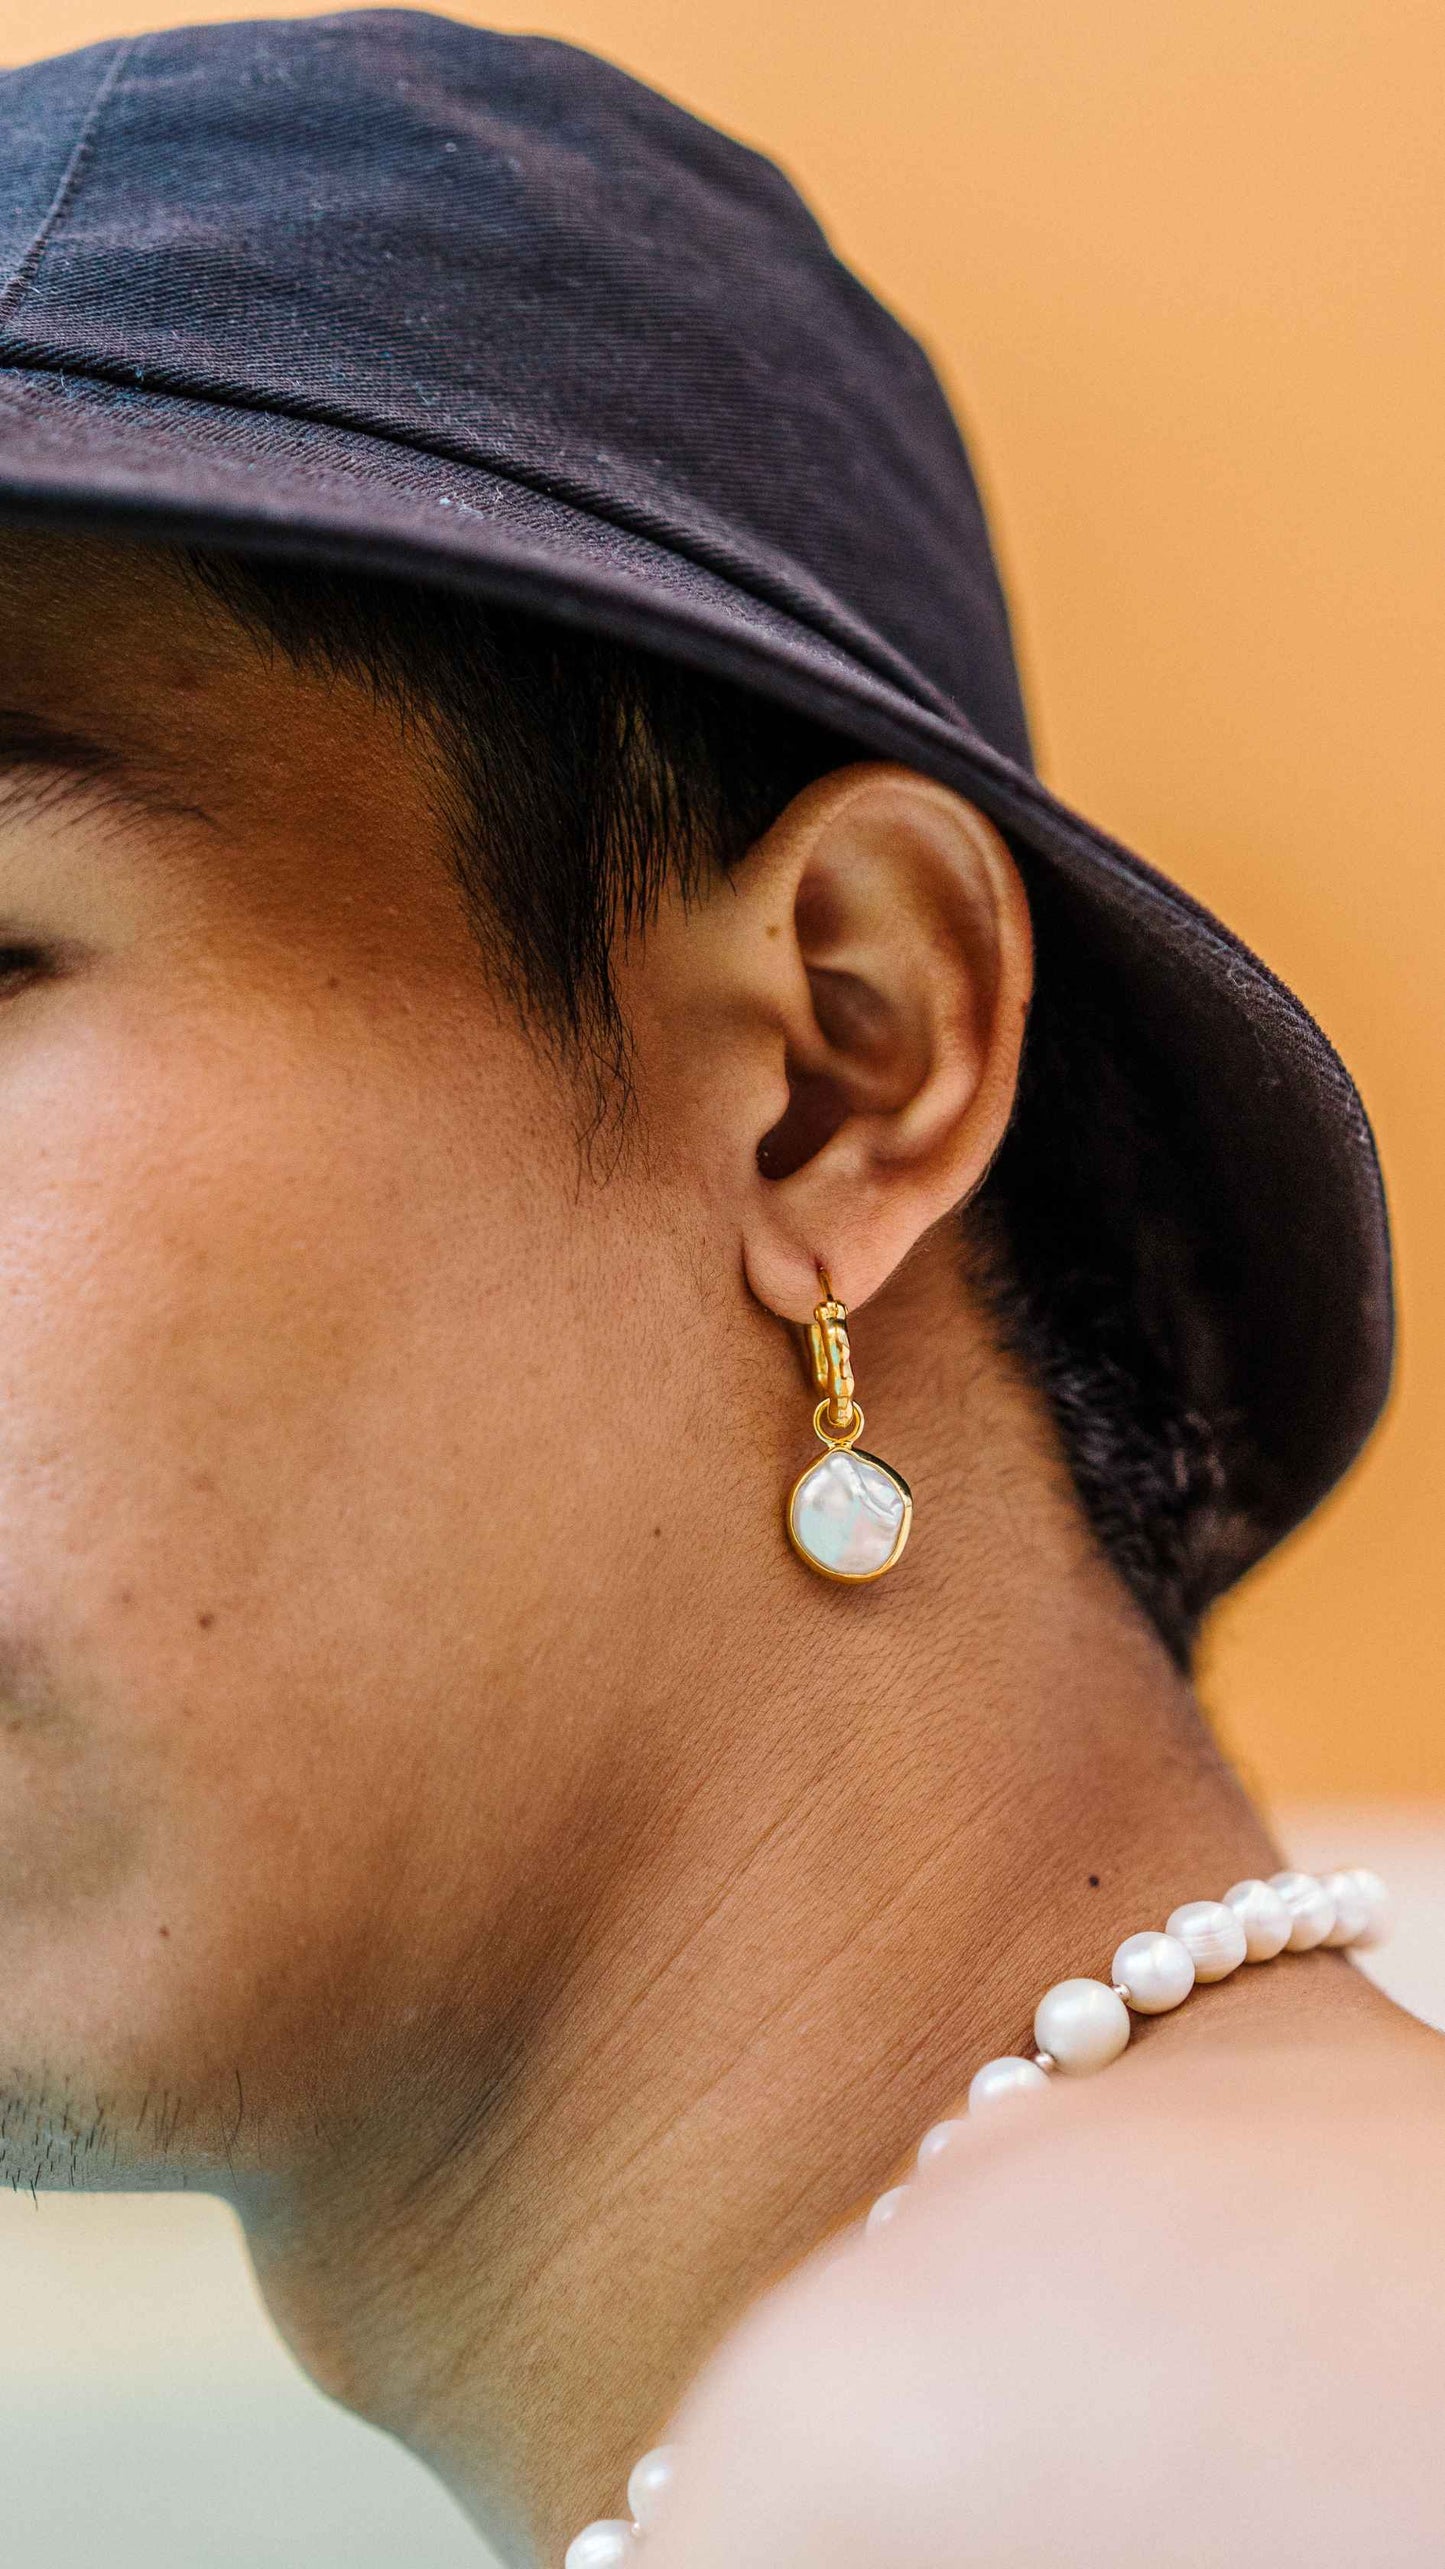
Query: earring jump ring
point(830, 1436)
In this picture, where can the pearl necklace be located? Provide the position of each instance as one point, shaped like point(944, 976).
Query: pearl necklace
point(1081, 2026)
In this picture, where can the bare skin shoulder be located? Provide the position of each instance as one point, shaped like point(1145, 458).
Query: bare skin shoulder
point(1192, 2312)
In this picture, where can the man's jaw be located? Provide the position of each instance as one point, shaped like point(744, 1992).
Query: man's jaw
point(60, 2136)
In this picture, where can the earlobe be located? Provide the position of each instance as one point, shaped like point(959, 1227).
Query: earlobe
point(898, 1007)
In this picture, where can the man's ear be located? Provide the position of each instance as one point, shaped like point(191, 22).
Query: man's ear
point(852, 999)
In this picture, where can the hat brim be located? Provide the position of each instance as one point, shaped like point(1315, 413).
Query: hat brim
point(1281, 1148)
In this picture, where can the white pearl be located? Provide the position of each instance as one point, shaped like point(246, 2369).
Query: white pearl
point(1082, 2025)
point(848, 1514)
point(1311, 1910)
point(934, 2143)
point(886, 2209)
point(1214, 1935)
point(1263, 1916)
point(649, 2484)
point(1351, 1908)
point(606, 2544)
point(1377, 1903)
point(999, 2081)
point(1155, 1971)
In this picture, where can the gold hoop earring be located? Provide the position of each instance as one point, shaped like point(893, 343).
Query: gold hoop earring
point(848, 1514)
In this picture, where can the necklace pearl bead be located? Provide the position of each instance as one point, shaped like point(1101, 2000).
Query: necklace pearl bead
point(1000, 2081)
point(1213, 1936)
point(942, 2137)
point(1352, 1913)
point(649, 2484)
point(1263, 1916)
point(1154, 1971)
point(1311, 1910)
point(1377, 1906)
point(608, 2544)
point(886, 2209)
point(1082, 2024)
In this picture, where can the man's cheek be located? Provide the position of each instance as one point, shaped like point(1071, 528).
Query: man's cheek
point(75, 1809)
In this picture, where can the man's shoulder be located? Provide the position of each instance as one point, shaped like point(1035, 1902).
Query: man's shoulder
point(1182, 2319)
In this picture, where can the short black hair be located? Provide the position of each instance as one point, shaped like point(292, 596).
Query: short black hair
point(584, 776)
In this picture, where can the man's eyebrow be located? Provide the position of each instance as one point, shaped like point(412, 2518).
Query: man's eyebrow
point(45, 763)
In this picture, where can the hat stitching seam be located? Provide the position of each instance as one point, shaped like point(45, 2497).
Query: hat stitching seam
point(19, 284)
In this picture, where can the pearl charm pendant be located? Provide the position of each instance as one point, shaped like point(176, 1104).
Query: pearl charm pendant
point(848, 1514)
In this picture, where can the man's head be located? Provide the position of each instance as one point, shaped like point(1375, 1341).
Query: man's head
point(436, 1056)
point(379, 290)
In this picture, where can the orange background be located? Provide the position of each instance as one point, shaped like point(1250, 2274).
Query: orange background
point(1180, 261)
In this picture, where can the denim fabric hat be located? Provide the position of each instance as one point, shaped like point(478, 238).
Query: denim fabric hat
point(394, 293)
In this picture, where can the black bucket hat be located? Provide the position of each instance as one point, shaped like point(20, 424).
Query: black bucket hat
point(394, 293)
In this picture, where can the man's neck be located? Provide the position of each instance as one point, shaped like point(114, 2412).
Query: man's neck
point(880, 1828)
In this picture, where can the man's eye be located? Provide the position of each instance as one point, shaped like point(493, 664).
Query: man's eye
point(20, 963)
